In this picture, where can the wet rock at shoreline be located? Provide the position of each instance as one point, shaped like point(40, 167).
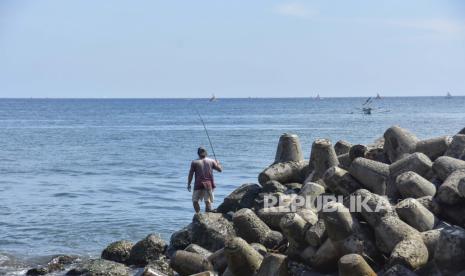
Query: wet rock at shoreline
point(99, 267)
point(149, 249)
point(57, 263)
point(158, 267)
point(118, 251)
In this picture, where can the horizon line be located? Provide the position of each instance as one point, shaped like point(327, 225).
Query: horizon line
point(206, 98)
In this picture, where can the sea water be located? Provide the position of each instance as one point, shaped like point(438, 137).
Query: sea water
point(77, 174)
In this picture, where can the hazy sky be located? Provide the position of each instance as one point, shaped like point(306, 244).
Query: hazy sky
point(89, 48)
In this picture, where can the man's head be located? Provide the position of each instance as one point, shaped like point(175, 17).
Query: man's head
point(202, 152)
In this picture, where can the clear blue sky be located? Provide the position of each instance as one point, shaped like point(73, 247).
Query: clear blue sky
point(112, 48)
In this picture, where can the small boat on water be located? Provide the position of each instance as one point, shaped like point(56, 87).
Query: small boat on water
point(448, 95)
point(367, 110)
point(317, 97)
point(378, 97)
point(213, 98)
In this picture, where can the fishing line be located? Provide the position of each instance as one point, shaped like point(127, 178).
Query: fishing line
point(206, 131)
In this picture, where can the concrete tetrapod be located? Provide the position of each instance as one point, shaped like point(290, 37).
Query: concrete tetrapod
point(252, 229)
point(398, 142)
point(289, 149)
point(242, 258)
point(354, 265)
point(322, 157)
point(371, 174)
point(411, 184)
point(445, 165)
point(188, 263)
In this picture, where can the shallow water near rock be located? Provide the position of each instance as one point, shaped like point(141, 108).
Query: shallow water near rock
point(79, 174)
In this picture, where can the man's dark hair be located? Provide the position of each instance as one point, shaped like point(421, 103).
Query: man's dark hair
point(201, 151)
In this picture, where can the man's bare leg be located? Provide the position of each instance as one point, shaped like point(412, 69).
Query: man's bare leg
point(208, 206)
point(196, 206)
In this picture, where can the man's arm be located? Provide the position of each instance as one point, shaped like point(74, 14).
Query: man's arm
point(217, 166)
point(190, 177)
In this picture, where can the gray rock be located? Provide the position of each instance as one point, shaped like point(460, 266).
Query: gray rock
point(211, 230)
point(242, 197)
point(342, 147)
point(180, 240)
point(357, 151)
point(457, 147)
point(149, 249)
point(160, 267)
point(273, 186)
point(57, 263)
point(99, 267)
point(398, 270)
point(118, 251)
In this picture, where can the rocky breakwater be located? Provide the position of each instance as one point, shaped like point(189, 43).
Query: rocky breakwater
point(394, 207)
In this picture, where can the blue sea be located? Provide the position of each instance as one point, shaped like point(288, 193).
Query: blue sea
point(77, 174)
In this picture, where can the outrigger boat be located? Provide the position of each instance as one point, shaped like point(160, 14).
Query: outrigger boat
point(213, 98)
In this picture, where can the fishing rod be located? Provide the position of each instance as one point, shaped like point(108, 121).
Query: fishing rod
point(206, 131)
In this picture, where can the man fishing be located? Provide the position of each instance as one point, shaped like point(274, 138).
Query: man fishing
point(204, 183)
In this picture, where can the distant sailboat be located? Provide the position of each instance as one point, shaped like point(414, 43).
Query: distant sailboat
point(448, 96)
point(378, 97)
point(213, 98)
point(317, 97)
